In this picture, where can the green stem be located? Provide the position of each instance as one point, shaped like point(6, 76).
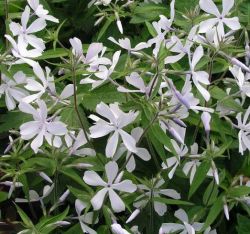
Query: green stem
point(76, 108)
point(6, 11)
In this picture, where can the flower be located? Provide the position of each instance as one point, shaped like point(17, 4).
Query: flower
point(76, 149)
point(199, 76)
point(35, 86)
point(27, 32)
point(126, 44)
point(155, 192)
point(117, 121)
point(142, 153)
point(41, 12)
point(114, 183)
point(190, 167)
point(85, 218)
point(174, 161)
point(162, 27)
point(103, 73)
point(41, 126)
point(220, 18)
point(185, 228)
point(34, 196)
point(12, 186)
point(10, 88)
point(19, 51)
point(206, 118)
point(92, 56)
point(117, 229)
point(241, 80)
point(175, 45)
point(135, 80)
point(244, 133)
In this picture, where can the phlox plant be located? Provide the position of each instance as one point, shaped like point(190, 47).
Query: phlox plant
point(125, 116)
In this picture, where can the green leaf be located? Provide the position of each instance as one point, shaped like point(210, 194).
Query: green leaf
point(26, 220)
point(15, 119)
point(214, 212)
point(162, 137)
point(107, 94)
point(3, 196)
point(104, 28)
point(199, 177)
point(57, 53)
point(210, 193)
point(46, 224)
point(243, 226)
point(172, 201)
point(151, 29)
point(148, 12)
point(74, 176)
point(224, 99)
point(239, 191)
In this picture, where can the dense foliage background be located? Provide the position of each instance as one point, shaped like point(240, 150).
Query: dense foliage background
point(205, 200)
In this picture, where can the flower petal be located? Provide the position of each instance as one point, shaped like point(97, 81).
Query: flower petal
point(116, 202)
point(98, 199)
point(93, 179)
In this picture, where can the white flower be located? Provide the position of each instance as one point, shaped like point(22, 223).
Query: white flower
point(213, 172)
point(114, 183)
point(244, 133)
point(174, 162)
point(199, 77)
point(220, 18)
point(12, 92)
point(27, 32)
point(35, 86)
point(241, 80)
point(190, 167)
point(135, 80)
point(34, 196)
point(211, 38)
point(103, 73)
point(185, 228)
point(117, 229)
point(118, 22)
point(175, 45)
point(76, 148)
point(85, 218)
point(92, 57)
point(154, 192)
point(126, 44)
point(117, 121)
point(142, 153)
point(41, 126)
point(162, 27)
point(206, 118)
point(19, 51)
point(12, 186)
point(99, 2)
point(41, 12)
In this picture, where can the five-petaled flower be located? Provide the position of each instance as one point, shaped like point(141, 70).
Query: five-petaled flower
point(113, 183)
point(117, 121)
point(42, 126)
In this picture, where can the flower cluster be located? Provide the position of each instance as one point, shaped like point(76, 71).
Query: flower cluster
point(133, 127)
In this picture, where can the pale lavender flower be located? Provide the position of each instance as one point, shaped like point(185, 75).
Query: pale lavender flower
point(114, 183)
point(220, 17)
point(155, 192)
point(41, 126)
point(41, 12)
point(186, 227)
point(117, 121)
point(26, 32)
point(10, 87)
